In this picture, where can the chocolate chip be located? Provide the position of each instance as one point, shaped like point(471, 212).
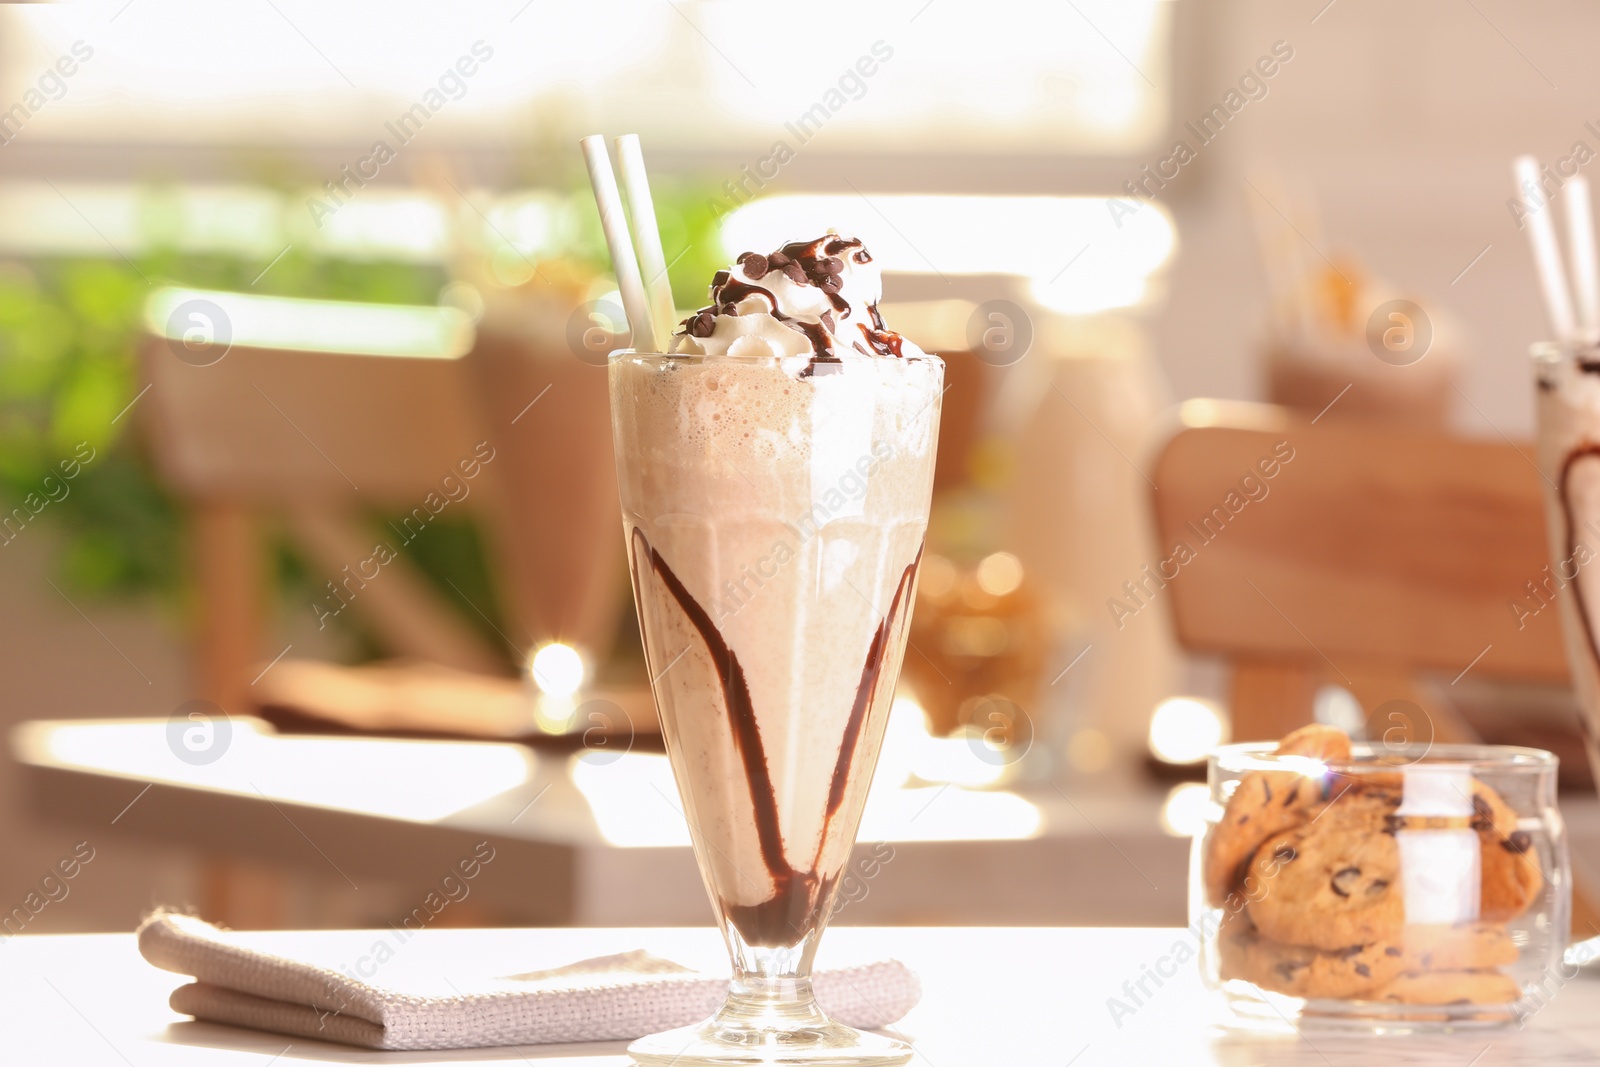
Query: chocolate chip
point(1353, 950)
point(1461, 1000)
point(1481, 807)
point(1292, 794)
point(1266, 787)
point(1288, 967)
point(828, 324)
point(1284, 853)
point(795, 273)
point(719, 279)
point(1518, 842)
point(1363, 970)
point(755, 266)
point(777, 261)
point(1378, 885)
point(1342, 880)
point(831, 283)
point(831, 265)
point(1392, 951)
point(702, 324)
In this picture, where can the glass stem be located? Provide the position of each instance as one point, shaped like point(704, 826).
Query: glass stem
point(771, 981)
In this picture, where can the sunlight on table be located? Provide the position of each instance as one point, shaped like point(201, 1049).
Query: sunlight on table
point(557, 669)
point(635, 803)
point(420, 780)
point(1183, 813)
point(1185, 729)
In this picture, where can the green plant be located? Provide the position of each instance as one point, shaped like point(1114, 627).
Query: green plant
point(67, 333)
point(68, 330)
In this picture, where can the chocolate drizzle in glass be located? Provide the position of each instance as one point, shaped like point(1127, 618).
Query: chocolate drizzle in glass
point(868, 686)
point(799, 897)
point(1572, 460)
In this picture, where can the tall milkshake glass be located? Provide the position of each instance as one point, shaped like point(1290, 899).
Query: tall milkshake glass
point(774, 511)
point(1568, 378)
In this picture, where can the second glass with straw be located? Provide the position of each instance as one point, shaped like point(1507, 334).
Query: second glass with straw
point(1567, 377)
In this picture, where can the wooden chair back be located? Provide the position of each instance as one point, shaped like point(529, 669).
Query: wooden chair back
point(1311, 553)
point(320, 439)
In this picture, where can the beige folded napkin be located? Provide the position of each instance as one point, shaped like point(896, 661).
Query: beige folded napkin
point(607, 999)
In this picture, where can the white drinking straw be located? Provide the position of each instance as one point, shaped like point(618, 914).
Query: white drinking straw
point(646, 235)
point(1585, 263)
point(615, 223)
point(1546, 253)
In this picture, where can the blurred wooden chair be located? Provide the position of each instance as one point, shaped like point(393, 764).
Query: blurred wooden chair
point(1374, 556)
point(316, 437)
point(432, 412)
point(408, 415)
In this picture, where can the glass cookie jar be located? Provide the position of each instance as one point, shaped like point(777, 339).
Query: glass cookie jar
point(1393, 888)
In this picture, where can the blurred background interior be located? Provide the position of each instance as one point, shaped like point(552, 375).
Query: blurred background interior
point(309, 553)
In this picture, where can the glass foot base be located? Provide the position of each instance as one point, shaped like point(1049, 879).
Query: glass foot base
point(721, 1042)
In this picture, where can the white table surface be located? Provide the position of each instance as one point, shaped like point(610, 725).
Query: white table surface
point(1001, 997)
point(576, 839)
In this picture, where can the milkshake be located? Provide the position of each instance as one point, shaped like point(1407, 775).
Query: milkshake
point(775, 469)
point(1568, 379)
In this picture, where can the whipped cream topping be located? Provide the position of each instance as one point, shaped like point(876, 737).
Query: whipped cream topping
point(809, 298)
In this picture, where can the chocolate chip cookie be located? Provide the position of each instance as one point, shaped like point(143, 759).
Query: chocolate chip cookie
point(1463, 946)
point(1267, 803)
point(1351, 972)
point(1330, 884)
point(1300, 971)
point(1449, 987)
point(1511, 875)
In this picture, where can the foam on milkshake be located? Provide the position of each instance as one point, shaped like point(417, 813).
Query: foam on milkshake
point(775, 474)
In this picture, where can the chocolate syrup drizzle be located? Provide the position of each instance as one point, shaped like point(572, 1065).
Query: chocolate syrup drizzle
point(870, 672)
point(1572, 544)
point(789, 914)
point(804, 263)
